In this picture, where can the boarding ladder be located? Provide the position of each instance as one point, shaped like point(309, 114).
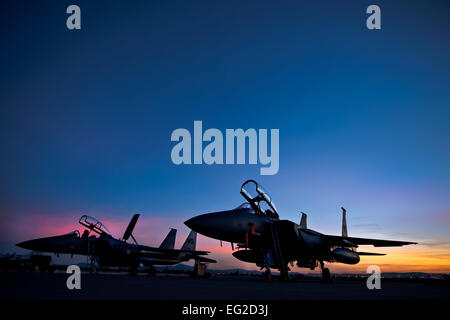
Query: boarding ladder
point(277, 252)
point(91, 261)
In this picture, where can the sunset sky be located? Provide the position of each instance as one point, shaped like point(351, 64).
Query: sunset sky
point(364, 117)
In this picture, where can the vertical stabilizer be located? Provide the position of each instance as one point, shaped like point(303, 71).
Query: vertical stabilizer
point(344, 223)
point(303, 221)
point(190, 242)
point(169, 241)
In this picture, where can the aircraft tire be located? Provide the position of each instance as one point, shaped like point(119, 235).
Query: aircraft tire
point(326, 276)
point(152, 272)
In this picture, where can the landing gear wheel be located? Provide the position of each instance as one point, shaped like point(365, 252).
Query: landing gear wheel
point(267, 275)
point(284, 274)
point(133, 271)
point(152, 272)
point(326, 276)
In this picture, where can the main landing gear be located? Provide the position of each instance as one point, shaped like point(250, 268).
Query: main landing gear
point(284, 273)
point(267, 275)
point(133, 271)
point(326, 276)
point(151, 272)
point(200, 270)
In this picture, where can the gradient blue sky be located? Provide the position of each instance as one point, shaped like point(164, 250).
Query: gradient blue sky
point(86, 116)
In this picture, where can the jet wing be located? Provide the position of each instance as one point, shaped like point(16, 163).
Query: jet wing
point(155, 250)
point(347, 241)
point(370, 254)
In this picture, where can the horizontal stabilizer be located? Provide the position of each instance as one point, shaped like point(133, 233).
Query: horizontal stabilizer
point(200, 253)
point(206, 260)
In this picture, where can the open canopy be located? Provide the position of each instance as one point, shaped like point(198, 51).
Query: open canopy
point(258, 198)
point(93, 224)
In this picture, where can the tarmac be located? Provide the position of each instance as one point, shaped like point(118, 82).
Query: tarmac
point(51, 286)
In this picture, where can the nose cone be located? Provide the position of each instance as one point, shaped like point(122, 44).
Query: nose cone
point(40, 244)
point(30, 245)
point(201, 224)
point(224, 225)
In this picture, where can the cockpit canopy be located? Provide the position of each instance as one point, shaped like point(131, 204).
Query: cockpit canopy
point(93, 224)
point(74, 233)
point(258, 199)
point(245, 205)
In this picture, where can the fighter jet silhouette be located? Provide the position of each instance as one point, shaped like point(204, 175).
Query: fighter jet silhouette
point(269, 242)
point(105, 250)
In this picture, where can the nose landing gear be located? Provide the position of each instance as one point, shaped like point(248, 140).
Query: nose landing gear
point(267, 275)
point(326, 276)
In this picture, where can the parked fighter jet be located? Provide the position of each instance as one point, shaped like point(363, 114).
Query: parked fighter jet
point(104, 250)
point(272, 243)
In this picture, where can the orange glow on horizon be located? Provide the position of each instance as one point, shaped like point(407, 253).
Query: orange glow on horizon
point(151, 231)
point(415, 258)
